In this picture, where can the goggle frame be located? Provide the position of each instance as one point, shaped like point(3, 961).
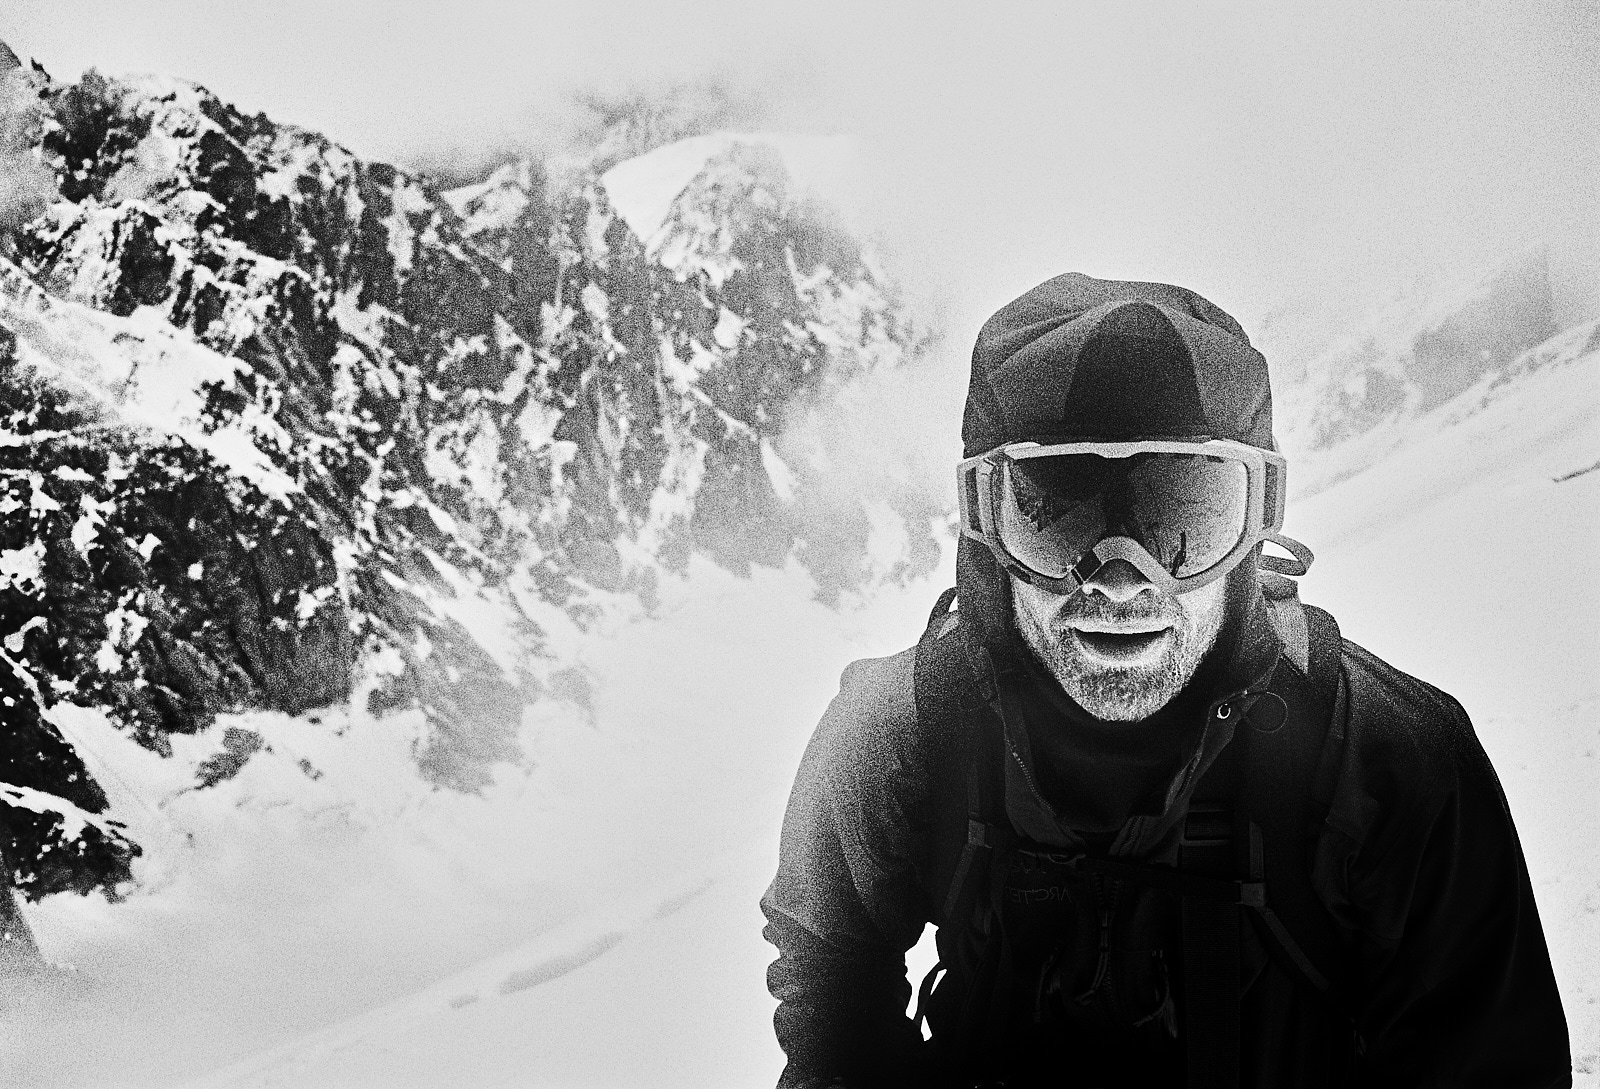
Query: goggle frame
point(978, 485)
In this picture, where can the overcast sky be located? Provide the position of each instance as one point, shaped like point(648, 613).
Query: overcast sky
point(1247, 151)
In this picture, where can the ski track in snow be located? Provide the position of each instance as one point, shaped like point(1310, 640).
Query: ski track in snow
point(1458, 558)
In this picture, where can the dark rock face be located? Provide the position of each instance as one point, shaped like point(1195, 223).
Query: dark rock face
point(271, 412)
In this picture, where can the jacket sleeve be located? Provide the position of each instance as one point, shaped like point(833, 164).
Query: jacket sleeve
point(845, 906)
point(1456, 984)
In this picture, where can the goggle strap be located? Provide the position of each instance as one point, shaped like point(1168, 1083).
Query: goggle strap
point(1294, 567)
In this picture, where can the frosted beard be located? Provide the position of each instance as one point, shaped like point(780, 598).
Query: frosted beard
point(1125, 692)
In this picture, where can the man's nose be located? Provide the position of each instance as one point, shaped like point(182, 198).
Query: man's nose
point(1118, 581)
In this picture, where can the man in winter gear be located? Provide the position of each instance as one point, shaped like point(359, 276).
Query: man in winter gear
point(1172, 829)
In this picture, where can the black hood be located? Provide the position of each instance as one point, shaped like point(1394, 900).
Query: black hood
point(1080, 358)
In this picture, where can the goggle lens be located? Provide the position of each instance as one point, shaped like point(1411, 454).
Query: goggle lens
point(1187, 510)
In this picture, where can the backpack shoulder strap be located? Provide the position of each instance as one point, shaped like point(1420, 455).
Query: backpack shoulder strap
point(1284, 790)
point(1254, 814)
point(948, 694)
point(957, 691)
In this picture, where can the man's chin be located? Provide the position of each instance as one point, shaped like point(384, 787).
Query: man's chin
point(1121, 695)
point(1120, 683)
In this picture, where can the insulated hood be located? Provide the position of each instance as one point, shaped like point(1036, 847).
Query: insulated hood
point(1080, 358)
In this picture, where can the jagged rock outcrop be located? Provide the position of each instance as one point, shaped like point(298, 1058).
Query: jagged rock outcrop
point(272, 413)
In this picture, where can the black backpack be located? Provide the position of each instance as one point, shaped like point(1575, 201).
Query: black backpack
point(1243, 860)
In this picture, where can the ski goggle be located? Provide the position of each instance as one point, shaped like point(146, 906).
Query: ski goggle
point(1183, 513)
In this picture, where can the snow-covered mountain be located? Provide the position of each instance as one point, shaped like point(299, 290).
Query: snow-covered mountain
point(283, 426)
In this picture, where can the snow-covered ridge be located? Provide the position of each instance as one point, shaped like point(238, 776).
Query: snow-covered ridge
point(285, 422)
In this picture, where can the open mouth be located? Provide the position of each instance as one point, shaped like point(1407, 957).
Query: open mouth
point(1121, 646)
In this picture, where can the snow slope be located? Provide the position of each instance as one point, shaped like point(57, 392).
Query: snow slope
point(672, 815)
point(1462, 558)
point(653, 796)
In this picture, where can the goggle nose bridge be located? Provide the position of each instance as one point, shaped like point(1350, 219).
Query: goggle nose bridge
point(1120, 547)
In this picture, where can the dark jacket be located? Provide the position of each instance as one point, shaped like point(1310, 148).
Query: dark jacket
point(1416, 861)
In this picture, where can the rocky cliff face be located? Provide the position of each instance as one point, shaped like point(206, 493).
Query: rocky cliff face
point(274, 416)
